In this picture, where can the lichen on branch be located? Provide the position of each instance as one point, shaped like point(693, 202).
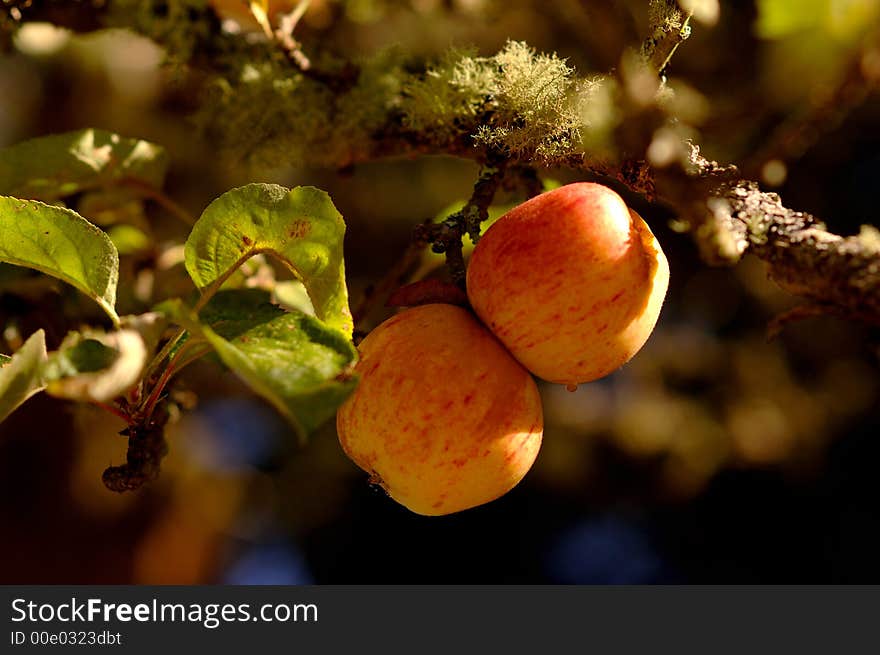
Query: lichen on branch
point(669, 27)
point(518, 103)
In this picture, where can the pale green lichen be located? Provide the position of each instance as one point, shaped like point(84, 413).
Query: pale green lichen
point(518, 103)
point(272, 115)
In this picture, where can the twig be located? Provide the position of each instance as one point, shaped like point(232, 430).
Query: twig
point(669, 25)
point(146, 448)
point(446, 237)
point(284, 35)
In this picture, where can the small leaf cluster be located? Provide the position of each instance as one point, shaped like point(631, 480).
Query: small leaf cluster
point(298, 357)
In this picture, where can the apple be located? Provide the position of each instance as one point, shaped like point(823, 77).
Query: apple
point(443, 418)
point(571, 282)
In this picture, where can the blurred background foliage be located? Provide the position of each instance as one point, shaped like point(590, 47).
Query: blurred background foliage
point(716, 455)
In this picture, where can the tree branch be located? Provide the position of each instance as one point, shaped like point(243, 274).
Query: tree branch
point(669, 29)
point(731, 216)
point(728, 215)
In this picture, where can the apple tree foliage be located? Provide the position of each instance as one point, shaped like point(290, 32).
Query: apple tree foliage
point(298, 359)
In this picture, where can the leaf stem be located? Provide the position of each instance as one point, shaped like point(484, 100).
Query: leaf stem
point(153, 398)
point(395, 276)
point(209, 291)
point(187, 354)
point(162, 354)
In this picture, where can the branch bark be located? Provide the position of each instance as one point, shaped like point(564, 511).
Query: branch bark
point(731, 216)
point(670, 28)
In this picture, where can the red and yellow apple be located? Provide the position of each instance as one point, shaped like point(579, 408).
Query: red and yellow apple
point(443, 418)
point(571, 282)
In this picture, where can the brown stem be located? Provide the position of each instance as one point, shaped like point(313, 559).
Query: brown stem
point(670, 28)
point(146, 448)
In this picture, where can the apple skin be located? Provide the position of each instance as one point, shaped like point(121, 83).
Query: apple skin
point(443, 418)
point(571, 282)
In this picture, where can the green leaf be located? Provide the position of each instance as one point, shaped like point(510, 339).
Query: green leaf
point(292, 296)
point(60, 243)
point(95, 366)
point(59, 165)
point(4, 360)
point(300, 227)
point(21, 376)
point(298, 364)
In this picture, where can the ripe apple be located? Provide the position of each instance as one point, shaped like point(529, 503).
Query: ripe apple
point(443, 417)
point(570, 281)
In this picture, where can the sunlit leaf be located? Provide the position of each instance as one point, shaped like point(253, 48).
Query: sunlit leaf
point(300, 227)
point(60, 243)
point(21, 375)
point(95, 366)
point(294, 361)
point(59, 165)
